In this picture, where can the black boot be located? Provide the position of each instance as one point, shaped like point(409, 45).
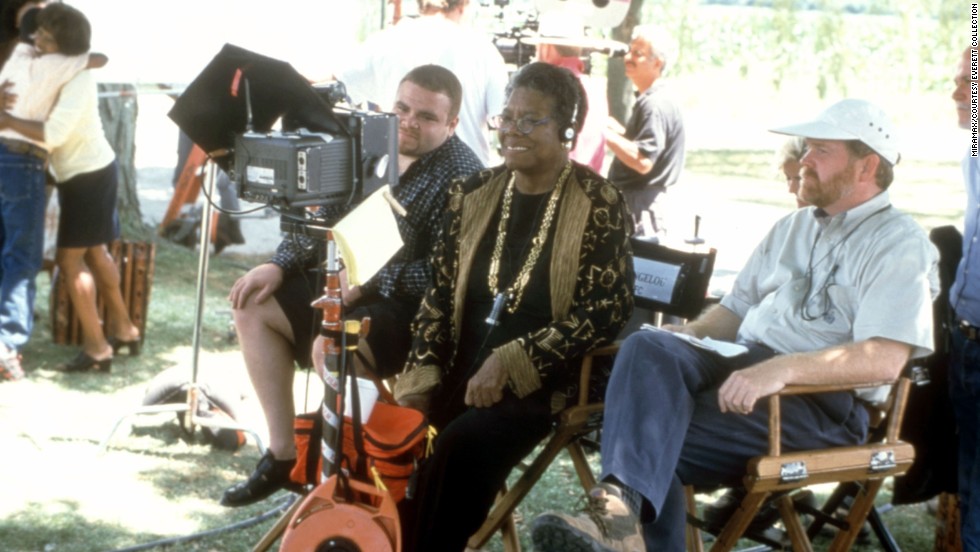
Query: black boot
point(269, 476)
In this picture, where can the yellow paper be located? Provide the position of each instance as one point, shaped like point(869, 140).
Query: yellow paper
point(367, 237)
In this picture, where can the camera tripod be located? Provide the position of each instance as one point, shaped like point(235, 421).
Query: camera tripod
point(191, 418)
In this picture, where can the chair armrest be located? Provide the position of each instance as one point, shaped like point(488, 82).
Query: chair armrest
point(808, 389)
point(606, 350)
point(586, 371)
point(895, 413)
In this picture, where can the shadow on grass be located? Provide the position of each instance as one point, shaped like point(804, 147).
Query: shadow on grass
point(185, 478)
point(59, 526)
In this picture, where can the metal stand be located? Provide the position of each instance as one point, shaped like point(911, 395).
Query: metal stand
point(696, 240)
point(191, 418)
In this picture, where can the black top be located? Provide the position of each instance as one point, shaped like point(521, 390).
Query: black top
point(478, 339)
point(657, 128)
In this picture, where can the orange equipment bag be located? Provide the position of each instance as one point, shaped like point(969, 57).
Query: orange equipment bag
point(391, 444)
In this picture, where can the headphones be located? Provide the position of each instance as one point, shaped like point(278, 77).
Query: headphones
point(569, 132)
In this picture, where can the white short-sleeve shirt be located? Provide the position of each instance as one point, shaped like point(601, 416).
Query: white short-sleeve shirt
point(818, 281)
point(374, 70)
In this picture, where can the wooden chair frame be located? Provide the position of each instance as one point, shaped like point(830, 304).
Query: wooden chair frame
point(573, 423)
point(867, 466)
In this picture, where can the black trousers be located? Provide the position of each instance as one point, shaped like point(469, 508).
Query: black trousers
point(473, 455)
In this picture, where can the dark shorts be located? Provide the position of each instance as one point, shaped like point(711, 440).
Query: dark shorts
point(294, 296)
point(389, 336)
point(88, 209)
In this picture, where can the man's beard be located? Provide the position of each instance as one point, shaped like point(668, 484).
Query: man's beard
point(826, 192)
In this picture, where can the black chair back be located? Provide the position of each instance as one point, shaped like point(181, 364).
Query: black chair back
point(671, 281)
point(929, 422)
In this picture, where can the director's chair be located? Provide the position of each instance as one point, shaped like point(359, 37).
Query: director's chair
point(669, 282)
point(859, 471)
point(865, 467)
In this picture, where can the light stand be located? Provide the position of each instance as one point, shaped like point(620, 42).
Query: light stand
point(191, 418)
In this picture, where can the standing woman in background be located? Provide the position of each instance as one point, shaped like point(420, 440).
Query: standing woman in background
point(84, 167)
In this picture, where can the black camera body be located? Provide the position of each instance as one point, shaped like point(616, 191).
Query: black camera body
point(320, 154)
point(302, 168)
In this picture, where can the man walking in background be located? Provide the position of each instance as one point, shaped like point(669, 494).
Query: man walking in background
point(650, 149)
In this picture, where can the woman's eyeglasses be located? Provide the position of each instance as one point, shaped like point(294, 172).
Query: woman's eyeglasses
point(524, 125)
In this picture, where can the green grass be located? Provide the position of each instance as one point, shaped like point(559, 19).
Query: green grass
point(89, 502)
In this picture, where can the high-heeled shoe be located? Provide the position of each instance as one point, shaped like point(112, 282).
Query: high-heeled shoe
point(83, 362)
point(132, 345)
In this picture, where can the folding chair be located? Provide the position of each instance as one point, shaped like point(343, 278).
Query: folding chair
point(860, 471)
point(865, 466)
point(668, 281)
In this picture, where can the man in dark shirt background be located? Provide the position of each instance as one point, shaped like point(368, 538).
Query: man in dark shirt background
point(650, 149)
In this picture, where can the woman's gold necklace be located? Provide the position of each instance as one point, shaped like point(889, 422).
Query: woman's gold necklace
point(511, 297)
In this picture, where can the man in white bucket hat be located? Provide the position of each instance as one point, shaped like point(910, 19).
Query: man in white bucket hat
point(838, 292)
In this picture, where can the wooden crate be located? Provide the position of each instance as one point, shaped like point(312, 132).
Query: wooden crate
point(136, 263)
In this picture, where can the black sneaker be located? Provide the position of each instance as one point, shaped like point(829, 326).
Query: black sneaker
point(269, 476)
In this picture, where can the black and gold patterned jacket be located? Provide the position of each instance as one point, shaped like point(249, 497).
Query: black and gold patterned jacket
point(591, 282)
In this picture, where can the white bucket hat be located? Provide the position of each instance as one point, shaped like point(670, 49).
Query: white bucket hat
point(851, 119)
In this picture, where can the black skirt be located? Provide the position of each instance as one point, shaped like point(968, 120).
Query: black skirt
point(88, 209)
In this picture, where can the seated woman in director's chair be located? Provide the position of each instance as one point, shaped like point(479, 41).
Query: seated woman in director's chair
point(533, 270)
point(669, 282)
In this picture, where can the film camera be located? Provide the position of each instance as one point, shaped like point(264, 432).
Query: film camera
point(321, 154)
point(512, 31)
point(337, 160)
point(521, 28)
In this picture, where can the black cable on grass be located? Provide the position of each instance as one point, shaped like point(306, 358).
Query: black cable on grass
point(282, 507)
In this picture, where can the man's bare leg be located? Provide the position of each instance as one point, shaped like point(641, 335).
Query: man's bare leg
point(266, 341)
